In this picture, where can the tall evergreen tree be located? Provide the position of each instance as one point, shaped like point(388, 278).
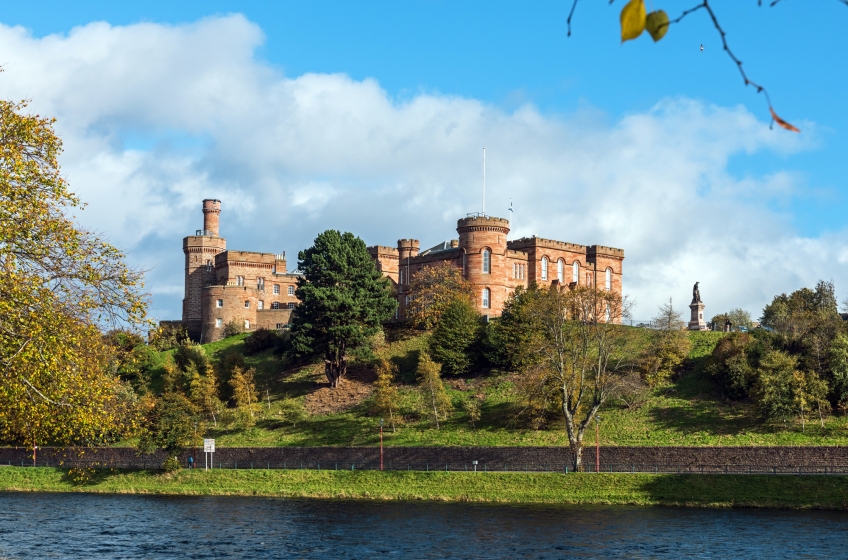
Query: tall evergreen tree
point(344, 299)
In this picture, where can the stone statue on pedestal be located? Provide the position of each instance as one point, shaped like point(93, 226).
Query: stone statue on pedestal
point(697, 323)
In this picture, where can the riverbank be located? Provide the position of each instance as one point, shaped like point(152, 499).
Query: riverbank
point(793, 492)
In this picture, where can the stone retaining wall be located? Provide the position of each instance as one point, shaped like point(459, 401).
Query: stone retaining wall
point(532, 458)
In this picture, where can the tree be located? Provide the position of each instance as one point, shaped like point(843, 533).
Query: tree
point(668, 346)
point(434, 289)
point(59, 285)
point(635, 19)
point(584, 353)
point(245, 394)
point(473, 408)
point(839, 369)
point(453, 339)
point(774, 390)
point(386, 395)
point(203, 392)
point(511, 339)
point(437, 404)
point(344, 300)
point(170, 425)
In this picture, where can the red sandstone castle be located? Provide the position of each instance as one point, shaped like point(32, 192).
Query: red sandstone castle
point(255, 290)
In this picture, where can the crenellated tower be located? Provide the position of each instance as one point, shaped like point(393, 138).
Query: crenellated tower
point(482, 240)
point(200, 250)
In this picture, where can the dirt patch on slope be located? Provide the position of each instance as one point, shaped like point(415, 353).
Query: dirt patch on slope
point(353, 389)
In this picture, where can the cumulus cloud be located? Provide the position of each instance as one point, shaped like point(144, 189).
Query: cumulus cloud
point(156, 117)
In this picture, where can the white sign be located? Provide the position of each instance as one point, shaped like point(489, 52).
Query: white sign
point(209, 446)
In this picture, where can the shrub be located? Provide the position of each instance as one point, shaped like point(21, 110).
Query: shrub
point(168, 335)
point(189, 353)
point(292, 411)
point(232, 328)
point(172, 464)
point(261, 339)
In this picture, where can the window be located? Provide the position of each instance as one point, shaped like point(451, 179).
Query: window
point(487, 296)
point(276, 289)
point(608, 281)
point(291, 305)
point(239, 280)
point(408, 299)
point(246, 324)
point(544, 268)
point(261, 304)
point(260, 284)
point(219, 323)
point(575, 272)
point(607, 314)
point(247, 304)
point(219, 303)
point(487, 261)
point(275, 305)
point(280, 326)
point(291, 290)
point(560, 271)
point(401, 276)
point(208, 266)
point(463, 262)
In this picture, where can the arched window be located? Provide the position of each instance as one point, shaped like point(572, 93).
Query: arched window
point(575, 272)
point(487, 298)
point(560, 271)
point(544, 268)
point(608, 281)
point(487, 261)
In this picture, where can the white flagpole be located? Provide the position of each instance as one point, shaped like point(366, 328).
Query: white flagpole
point(484, 181)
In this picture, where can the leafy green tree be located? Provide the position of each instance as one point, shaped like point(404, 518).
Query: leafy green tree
point(839, 369)
point(436, 402)
point(669, 346)
point(344, 300)
point(731, 365)
point(774, 390)
point(386, 395)
point(203, 392)
point(473, 406)
point(170, 425)
point(453, 340)
point(510, 340)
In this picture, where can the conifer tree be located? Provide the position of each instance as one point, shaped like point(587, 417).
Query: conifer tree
point(452, 343)
point(343, 301)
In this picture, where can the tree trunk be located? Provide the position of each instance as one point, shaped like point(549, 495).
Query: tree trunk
point(335, 367)
point(577, 451)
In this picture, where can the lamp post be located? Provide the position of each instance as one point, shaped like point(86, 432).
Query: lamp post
point(381, 444)
point(597, 443)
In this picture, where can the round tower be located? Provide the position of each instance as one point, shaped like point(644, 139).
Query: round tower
point(483, 241)
point(211, 212)
point(407, 248)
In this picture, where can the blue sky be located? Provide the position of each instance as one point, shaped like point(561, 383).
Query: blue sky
point(505, 71)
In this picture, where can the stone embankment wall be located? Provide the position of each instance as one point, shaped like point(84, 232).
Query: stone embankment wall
point(668, 459)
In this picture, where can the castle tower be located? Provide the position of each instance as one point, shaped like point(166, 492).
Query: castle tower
point(200, 250)
point(407, 249)
point(483, 242)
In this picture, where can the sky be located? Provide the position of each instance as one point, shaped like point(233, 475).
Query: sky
point(371, 117)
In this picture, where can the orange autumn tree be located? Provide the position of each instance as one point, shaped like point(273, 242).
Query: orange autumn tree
point(433, 289)
point(59, 285)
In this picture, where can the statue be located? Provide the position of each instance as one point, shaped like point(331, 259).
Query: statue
point(696, 293)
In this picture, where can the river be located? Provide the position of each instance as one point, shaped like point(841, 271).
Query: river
point(91, 526)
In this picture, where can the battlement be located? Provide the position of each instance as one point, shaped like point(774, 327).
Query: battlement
point(593, 250)
point(482, 223)
point(375, 250)
point(534, 241)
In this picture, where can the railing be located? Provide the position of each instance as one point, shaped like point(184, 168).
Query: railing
point(468, 466)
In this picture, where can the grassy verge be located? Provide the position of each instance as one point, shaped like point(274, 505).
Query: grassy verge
point(797, 492)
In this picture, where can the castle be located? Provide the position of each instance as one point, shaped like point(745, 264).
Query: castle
point(256, 291)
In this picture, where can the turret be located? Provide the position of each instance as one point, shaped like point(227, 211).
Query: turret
point(211, 212)
point(408, 248)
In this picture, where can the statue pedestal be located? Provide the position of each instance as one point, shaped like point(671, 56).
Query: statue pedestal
point(697, 323)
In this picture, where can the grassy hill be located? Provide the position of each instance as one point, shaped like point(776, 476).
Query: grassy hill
point(299, 409)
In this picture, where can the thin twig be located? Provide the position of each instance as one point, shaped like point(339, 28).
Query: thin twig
point(570, 14)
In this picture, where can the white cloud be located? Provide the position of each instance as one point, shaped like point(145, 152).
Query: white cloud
point(156, 117)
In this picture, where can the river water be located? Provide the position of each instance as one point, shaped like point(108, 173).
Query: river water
point(133, 526)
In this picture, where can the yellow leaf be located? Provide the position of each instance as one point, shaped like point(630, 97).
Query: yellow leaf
point(656, 23)
point(782, 122)
point(632, 20)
